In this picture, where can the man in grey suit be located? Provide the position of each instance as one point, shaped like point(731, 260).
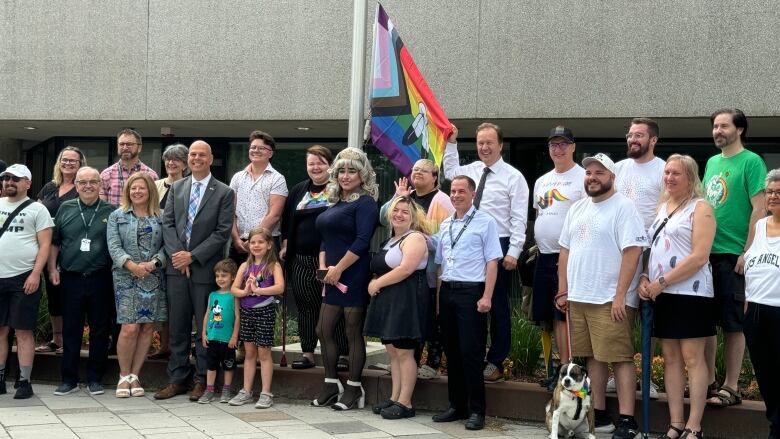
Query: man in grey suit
point(196, 227)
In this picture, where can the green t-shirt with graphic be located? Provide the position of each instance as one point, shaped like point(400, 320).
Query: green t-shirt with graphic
point(222, 316)
point(729, 183)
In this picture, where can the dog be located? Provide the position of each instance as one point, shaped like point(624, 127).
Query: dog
point(570, 408)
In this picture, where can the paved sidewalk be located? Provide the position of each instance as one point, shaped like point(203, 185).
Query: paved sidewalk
point(81, 415)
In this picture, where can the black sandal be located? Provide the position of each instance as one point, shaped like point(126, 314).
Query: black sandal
point(726, 397)
point(398, 411)
point(679, 432)
point(691, 434)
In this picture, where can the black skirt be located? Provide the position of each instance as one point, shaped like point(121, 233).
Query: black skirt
point(678, 316)
point(402, 310)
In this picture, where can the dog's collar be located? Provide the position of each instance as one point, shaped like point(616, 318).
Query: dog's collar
point(579, 395)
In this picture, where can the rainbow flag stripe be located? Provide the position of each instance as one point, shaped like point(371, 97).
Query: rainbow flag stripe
point(407, 122)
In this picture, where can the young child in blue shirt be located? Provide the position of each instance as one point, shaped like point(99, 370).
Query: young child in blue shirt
point(220, 332)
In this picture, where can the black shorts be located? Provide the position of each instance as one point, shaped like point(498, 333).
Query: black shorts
point(673, 318)
point(729, 289)
point(257, 325)
point(402, 343)
point(220, 356)
point(545, 288)
point(18, 310)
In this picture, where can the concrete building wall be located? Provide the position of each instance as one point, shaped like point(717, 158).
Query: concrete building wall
point(290, 59)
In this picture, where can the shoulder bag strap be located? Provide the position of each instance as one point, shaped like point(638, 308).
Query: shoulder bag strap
point(13, 215)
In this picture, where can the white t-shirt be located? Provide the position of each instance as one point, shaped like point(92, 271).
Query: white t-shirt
point(596, 235)
point(20, 241)
point(673, 244)
point(554, 194)
point(642, 184)
point(762, 268)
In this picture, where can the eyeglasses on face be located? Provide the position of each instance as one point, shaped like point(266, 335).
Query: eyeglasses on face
point(87, 182)
point(70, 161)
point(772, 193)
point(559, 145)
point(13, 178)
point(259, 148)
point(128, 144)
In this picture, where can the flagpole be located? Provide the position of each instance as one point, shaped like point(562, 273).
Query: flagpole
point(357, 86)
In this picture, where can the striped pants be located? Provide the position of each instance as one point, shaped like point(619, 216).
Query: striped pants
point(307, 292)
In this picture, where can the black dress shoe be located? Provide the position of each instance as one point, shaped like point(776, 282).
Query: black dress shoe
point(303, 363)
point(449, 415)
point(475, 422)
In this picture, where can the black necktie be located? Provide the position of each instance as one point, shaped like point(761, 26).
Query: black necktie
point(481, 187)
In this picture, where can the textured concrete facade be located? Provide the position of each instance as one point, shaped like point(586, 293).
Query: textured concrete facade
point(290, 59)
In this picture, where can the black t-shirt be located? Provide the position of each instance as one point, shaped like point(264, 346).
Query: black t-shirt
point(425, 200)
point(50, 197)
point(307, 238)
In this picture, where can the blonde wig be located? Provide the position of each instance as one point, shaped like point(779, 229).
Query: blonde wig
point(358, 160)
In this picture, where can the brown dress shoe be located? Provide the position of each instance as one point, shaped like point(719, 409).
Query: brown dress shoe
point(170, 391)
point(197, 391)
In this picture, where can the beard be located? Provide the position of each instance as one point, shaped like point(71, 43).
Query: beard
point(634, 154)
point(10, 191)
point(605, 187)
point(724, 141)
point(129, 155)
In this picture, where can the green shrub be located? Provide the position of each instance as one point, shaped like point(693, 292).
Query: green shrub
point(526, 345)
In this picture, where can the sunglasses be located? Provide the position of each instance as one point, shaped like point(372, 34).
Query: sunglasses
point(13, 178)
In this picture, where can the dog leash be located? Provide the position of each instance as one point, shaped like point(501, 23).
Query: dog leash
point(568, 332)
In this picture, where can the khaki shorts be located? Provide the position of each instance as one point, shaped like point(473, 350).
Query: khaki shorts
point(594, 334)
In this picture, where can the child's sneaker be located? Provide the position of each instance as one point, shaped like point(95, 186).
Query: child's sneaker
point(242, 398)
point(265, 401)
point(207, 397)
point(227, 395)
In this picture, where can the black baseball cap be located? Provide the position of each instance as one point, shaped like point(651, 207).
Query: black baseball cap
point(561, 131)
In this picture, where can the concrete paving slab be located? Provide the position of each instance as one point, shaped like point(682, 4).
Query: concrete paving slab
point(50, 431)
point(33, 415)
point(91, 419)
point(344, 427)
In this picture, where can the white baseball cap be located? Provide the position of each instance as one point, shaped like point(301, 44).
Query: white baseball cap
point(18, 171)
point(600, 158)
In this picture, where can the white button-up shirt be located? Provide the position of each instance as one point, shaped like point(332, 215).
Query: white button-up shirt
point(477, 245)
point(505, 196)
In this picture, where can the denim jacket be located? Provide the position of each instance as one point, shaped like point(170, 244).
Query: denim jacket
point(122, 237)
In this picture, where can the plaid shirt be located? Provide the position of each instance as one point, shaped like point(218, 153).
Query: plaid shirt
point(111, 181)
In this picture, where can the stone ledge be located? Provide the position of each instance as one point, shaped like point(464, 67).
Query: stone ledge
point(513, 400)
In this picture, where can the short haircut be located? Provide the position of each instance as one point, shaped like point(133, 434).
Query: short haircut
point(469, 181)
point(265, 137)
point(773, 176)
point(177, 151)
point(488, 125)
point(321, 152)
point(738, 118)
point(652, 125)
point(434, 170)
point(131, 132)
point(226, 265)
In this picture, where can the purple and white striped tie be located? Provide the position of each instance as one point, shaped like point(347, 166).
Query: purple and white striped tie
point(193, 209)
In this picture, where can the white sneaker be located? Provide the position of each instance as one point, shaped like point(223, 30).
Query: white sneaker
point(611, 386)
point(265, 401)
point(653, 390)
point(426, 372)
point(241, 398)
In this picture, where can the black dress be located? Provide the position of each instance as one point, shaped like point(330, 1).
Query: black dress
point(401, 310)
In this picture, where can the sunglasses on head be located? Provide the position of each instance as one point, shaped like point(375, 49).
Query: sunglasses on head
point(13, 178)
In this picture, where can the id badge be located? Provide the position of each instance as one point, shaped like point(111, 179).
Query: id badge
point(85, 244)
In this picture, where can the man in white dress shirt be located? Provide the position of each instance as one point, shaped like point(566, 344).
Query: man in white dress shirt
point(501, 192)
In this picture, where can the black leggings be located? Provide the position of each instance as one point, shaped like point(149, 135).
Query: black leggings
point(326, 331)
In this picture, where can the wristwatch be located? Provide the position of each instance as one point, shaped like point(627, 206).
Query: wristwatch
point(662, 281)
point(157, 263)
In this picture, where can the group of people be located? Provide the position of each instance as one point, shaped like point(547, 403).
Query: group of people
point(157, 248)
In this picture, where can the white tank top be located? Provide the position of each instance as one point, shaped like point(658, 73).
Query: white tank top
point(394, 255)
point(672, 245)
point(762, 268)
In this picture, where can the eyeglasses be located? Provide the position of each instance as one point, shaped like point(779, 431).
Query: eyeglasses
point(260, 148)
point(13, 178)
point(88, 182)
point(637, 136)
point(128, 144)
point(559, 145)
point(771, 193)
point(69, 161)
